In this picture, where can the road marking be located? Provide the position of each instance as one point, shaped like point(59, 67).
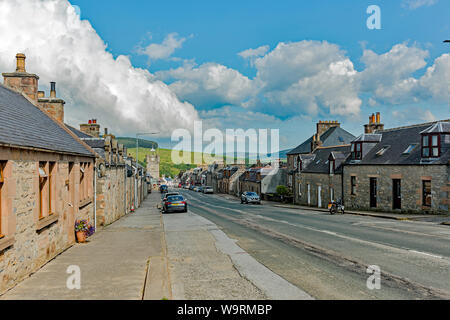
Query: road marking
point(427, 254)
point(372, 243)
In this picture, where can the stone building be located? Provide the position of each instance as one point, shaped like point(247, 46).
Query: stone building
point(403, 169)
point(320, 182)
point(113, 181)
point(152, 160)
point(328, 134)
point(46, 176)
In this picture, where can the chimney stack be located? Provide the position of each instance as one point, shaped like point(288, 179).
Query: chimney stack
point(91, 128)
point(22, 81)
point(374, 124)
point(323, 126)
point(52, 105)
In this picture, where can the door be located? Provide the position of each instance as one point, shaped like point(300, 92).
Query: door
point(373, 192)
point(396, 194)
point(309, 194)
point(319, 196)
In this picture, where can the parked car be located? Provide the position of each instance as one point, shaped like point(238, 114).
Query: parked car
point(174, 203)
point(199, 189)
point(208, 190)
point(191, 187)
point(250, 197)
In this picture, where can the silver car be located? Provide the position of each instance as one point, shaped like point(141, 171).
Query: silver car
point(250, 197)
point(208, 190)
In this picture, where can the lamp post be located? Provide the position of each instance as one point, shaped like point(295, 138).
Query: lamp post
point(137, 163)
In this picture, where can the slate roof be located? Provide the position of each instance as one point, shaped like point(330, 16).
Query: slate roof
point(78, 133)
point(94, 142)
point(23, 124)
point(320, 162)
point(372, 137)
point(398, 140)
point(332, 137)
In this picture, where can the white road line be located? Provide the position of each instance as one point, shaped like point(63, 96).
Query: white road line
point(427, 254)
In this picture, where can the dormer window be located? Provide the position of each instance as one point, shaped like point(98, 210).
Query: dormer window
point(357, 151)
point(331, 167)
point(431, 145)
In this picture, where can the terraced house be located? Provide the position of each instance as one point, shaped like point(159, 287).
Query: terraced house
point(402, 169)
point(46, 176)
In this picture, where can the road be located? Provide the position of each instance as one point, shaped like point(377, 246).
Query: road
point(327, 256)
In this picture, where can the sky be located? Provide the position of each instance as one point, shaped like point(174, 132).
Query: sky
point(144, 66)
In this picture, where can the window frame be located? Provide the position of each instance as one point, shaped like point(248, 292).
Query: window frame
point(357, 154)
point(43, 187)
point(429, 147)
point(353, 185)
point(331, 167)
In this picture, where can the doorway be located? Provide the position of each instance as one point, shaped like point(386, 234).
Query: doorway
point(396, 194)
point(373, 192)
point(319, 196)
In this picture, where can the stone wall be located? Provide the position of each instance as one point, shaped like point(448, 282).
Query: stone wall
point(411, 187)
point(326, 182)
point(111, 195)
point(31, 242)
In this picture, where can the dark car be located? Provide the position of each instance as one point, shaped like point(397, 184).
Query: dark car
point(175, 203)
point(163, 189)
point(250, 197)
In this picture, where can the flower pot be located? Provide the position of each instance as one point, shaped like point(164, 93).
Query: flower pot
point(81, 237)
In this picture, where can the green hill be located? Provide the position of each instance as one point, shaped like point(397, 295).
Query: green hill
point(167, 167)
point(131, 143)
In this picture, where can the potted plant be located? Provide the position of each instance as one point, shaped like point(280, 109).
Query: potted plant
point(83, 230)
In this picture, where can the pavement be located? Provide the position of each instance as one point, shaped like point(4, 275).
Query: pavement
point(150, 256)
point(125, 260)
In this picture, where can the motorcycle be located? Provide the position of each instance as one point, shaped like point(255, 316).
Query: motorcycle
point(336, 206)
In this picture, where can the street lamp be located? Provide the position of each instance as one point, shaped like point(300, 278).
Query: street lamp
point(137, 163)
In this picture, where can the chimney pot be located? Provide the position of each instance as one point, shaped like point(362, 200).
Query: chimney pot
point(52, 89)
point(20, 61)
point(41, 94)
point(106, 131)
point(90, 122)
point(378, 117)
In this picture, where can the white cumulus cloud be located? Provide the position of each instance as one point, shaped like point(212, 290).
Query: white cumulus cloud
point(156, 51)
point(252, 53)
point(60, 47)
point(209, 84)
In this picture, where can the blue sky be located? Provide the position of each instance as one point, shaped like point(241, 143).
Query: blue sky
point(215, 32)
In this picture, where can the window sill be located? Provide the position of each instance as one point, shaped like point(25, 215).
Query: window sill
point(6, 242)
point(84, 203)
point(46, 221)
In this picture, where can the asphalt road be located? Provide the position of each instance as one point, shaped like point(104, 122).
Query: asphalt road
point(327, 256)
